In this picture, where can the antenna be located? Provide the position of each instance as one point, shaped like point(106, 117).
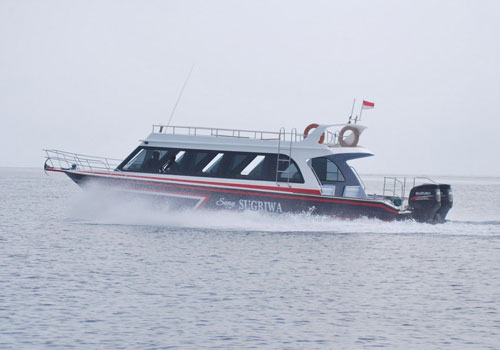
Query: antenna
point(180, 95)
point(360, 112)
point(352, 110)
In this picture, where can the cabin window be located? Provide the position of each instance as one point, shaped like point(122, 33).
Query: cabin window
point(326, 170)
point(146, 160)
point(208, 163)
point(213, 165)
point(238, 161)
point(170, 163)
point(135, 164)
point(179, 156)
point(189, 162)
point(252, 166)
point(291, 173)
point(153, 160)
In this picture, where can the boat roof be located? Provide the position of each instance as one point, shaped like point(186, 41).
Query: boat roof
point(256, 140)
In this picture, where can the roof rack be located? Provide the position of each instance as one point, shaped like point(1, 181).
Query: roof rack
point(219, 132)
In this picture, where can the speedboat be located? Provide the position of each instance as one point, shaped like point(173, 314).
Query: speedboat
point(275, 172)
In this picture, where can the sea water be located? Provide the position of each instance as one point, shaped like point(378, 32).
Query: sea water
point(88, 270)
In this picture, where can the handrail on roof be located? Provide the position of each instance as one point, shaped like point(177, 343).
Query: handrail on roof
point(222, 132)
point(331, 138)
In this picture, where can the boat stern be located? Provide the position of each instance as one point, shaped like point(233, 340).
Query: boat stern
point(430, 203)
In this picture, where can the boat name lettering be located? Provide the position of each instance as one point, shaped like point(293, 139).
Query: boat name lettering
point(273, 207)
point(225, 203)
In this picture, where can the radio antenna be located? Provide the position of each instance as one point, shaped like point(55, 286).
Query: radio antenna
point(352, 110)
point(180, 95)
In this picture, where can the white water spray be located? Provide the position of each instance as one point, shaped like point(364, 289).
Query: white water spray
point(97, 205)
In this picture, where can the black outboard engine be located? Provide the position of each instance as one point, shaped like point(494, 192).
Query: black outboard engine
point(446, 203)
point(425, 202)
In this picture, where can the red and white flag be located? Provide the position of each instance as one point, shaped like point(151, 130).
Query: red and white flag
point(367, 105)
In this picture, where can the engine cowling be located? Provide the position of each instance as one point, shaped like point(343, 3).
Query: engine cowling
point(425, 202)
point(446, 202)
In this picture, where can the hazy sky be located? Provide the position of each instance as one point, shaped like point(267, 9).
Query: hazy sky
point(92, 76)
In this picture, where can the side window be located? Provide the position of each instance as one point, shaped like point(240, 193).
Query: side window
point(288, 170)
point(232, 164)
point(326, 170)
point(135, 164)
point(254, 168)
point(212, 166)
point(153, 160)
point(179, 155)
point(189, 162)
point(170, 162)
point(223, 164)
point(291, 174)
point(238, 161)
point(332, 172)
point(147, 160)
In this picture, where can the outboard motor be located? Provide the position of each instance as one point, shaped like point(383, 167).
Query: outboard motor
point(446, 203)
point(425, 202)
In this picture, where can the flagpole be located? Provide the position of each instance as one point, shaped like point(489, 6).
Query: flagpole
point(360, 113)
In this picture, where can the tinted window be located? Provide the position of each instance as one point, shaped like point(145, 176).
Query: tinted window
point(135, 164)
point(255, 166)
point(326, 170)
point(291, 174)
point(235, 165)
point(146, 160)
point(213, 165)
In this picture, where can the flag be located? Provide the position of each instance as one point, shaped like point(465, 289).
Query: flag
point(367, 105)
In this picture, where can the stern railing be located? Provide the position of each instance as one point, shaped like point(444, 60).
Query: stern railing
point(395, 188)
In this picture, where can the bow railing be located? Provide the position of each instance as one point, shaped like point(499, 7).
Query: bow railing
point(73, 161)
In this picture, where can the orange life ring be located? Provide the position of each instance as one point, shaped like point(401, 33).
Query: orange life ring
point(313, 126)
point(354, 142)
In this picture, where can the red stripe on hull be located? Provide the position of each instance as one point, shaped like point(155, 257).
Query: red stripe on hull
point(255, 187)
point(223, 190)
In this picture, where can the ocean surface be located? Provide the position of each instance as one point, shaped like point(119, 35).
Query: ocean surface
point(86, 270)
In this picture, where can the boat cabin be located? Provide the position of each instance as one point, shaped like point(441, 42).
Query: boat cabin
point(242, 156)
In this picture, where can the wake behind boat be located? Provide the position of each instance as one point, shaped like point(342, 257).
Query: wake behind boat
point(277, 172)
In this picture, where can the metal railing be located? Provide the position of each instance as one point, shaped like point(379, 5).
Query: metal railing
point(331, 138)
point(220, 132)
point(73, 161)
point(395, 188)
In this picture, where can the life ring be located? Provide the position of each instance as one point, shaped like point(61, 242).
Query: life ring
point(313, 126)
point(355, 132)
